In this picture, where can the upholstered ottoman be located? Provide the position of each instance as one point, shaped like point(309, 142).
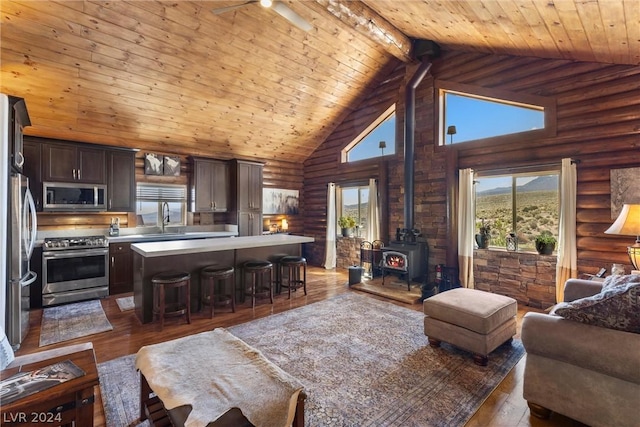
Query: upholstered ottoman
point(470, 319)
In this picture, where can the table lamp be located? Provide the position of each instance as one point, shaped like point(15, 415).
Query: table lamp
point(451, 130)
point(628, 224)
point(285, 225)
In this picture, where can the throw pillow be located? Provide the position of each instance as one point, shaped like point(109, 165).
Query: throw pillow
point(616, 307)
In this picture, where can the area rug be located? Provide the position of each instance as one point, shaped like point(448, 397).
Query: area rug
point(363, 362)
point(66, 322)
point(393, 289)
point(125, 303)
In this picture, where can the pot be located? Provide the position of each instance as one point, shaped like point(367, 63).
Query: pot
point(347, 232)
point(483, 240)
point(545, 248)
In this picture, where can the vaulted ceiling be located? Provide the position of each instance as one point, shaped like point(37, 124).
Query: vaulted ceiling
point(173, 76)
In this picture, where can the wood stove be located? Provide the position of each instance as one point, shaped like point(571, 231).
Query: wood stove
point(396, 262)
point(417, 258)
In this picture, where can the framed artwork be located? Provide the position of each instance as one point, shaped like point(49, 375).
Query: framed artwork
point(171, 166)
point(152, 164)
point(279, 201)
point(624, 189)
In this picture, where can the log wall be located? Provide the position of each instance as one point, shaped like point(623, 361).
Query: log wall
point(598, 124)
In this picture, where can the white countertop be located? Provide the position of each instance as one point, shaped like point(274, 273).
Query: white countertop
point(163, 237)
point(182, 247)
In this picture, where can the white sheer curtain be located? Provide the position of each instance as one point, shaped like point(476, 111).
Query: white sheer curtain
point(567, 264)
point(373, 223)
point(466, 227)
point(330, 245)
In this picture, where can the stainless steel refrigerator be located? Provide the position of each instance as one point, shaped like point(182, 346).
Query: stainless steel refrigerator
point(17, 222)
point(22, 233)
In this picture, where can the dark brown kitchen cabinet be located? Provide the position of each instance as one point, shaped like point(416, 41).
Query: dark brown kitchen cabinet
point(249, 186)
point(210, 185)
point(121, 181)
point(249, 223)
point(120, 268)
point(73, 163)
point(248, 189)
point(33, 169)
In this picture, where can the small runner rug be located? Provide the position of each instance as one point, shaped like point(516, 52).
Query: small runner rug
point(125, 303)
point(363, 362)
point(69, 321)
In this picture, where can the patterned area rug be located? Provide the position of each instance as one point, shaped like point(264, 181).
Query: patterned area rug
point(125, 303)
point(66, 322)
point(363, 362)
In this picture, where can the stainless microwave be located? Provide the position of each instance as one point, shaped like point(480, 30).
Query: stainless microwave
point(59, 196)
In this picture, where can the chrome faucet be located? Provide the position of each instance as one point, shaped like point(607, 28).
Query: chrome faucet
point(165, 216)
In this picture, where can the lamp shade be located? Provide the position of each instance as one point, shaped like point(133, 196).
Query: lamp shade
point(628, 224)
point(382, 144)
point(451, 130)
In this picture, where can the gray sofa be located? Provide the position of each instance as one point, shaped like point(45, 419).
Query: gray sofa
point(586, 372)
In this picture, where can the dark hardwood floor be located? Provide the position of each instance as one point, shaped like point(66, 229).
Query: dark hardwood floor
point(504, 407)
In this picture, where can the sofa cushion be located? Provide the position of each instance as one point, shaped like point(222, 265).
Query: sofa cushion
point(616, 307)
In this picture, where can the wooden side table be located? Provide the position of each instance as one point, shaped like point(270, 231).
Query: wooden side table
point(69, 403)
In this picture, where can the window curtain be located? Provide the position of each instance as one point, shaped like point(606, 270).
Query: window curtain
point(330, 245)
point(373, 223)
point(567, 264)
point(466, 227)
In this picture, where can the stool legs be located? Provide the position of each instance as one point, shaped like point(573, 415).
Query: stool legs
point(162, 306)
point(209, 294)
point(293, 276)
point(257, 284)
point(181, 284)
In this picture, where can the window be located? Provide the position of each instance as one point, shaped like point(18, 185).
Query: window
point(468, 113)
point(367, 145)
point(354, 201)
point(525, 204)
point(151, 197)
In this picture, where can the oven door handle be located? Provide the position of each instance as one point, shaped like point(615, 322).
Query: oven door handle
point(74, 253)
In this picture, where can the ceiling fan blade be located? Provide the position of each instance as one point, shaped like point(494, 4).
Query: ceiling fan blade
point(222, 10)
point(286, 12)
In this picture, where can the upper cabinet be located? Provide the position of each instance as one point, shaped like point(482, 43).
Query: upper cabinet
point(247, 180)
point(210, 185)
point(32, 168)
point(121, 181)
point(69, 162)
point(73, 163)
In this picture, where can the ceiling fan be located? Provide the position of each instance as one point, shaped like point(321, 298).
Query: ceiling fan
point(277, 6)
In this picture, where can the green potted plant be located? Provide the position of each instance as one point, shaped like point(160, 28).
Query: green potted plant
point(347, 224)
point(484, 236)
point(545, 243)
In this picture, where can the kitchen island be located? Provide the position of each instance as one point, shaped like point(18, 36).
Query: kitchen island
point(193, 255)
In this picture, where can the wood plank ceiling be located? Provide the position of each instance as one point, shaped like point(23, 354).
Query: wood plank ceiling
point(172, 76)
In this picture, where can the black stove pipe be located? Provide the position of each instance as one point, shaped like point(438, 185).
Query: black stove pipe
point(409, 139)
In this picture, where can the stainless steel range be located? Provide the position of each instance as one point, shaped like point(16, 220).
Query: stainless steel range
point(74, 269)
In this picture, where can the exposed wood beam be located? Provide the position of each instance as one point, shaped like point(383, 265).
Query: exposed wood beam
point(366, 21)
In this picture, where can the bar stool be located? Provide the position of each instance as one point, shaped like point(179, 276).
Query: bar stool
point(292, 265)
point(211, 276)
point(275, 260)
point(179, 281)
point(259, 285)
